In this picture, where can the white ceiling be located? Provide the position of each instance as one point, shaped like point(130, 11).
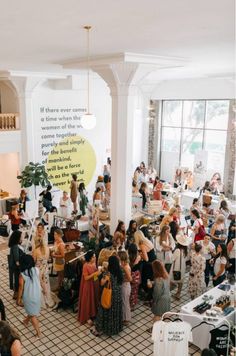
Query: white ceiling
point(38, 35)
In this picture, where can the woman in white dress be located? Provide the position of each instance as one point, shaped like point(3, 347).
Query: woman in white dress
point(164, 245)
point(179, 264)
point(41, 256)
point(65, 205)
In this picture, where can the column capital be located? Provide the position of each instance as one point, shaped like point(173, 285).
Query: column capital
point(25, 85)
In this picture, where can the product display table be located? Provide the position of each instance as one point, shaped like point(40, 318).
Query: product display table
point(201, 333)
point(188, 196)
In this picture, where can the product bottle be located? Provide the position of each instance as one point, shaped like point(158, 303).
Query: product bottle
point(232, 298)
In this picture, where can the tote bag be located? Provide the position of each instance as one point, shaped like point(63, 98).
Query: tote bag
point(106, 295)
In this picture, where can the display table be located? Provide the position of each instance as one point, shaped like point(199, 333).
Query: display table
point(201, 333)
point(188, 196)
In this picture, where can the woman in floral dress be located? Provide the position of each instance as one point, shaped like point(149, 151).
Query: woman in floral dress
point(41, 256)
point(196, 274)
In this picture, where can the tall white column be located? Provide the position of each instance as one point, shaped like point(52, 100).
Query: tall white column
point(119, 78)
point(25, 87)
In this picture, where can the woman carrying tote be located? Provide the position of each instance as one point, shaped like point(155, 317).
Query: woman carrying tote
point(179, 264)
point(110, 321)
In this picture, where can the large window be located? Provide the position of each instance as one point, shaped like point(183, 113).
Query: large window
point(192, 125)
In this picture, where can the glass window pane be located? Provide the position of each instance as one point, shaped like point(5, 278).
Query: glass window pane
point(170, 139)
point(193, 113)
point(217, 113)
point(192, 142)
point(172, 112)
point(215, 141)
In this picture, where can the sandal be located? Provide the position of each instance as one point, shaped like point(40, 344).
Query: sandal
point(149, 330)
point(90, 322)
point(95, 332)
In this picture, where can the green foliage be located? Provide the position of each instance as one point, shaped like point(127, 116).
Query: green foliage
point(34, 174)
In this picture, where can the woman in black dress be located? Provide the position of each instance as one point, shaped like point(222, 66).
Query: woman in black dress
point(16, 251)
point(110, 321)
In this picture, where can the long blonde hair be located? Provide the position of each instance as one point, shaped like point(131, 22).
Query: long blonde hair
point(140, 239)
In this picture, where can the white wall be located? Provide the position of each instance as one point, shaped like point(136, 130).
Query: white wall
point(99, 137)
point(197, 88)
point(9, 169)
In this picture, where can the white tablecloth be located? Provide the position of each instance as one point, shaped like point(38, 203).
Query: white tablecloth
point(201, 334)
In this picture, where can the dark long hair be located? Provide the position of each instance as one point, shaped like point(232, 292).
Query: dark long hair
point(81, 187)
point(26, 264)
point(223, 253)
point(130, 226)
point(115, 269)
point(195, 212)
point(181, 247)
point(133, 253)
point(14, 238)
point(8, 335)
point(118, 228)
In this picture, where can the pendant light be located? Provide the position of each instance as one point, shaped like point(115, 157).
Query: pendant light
point(88, 120)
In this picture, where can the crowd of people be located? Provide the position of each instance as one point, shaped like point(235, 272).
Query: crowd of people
point(135, 265)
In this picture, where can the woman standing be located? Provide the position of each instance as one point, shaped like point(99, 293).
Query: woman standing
point(40, 234)
point(15, 217)
point(89, 290)
point(109, 321)
point(23, 199)
point(130, 233)
point(161, 290)
point(220, 262)
point(65, 205)
point(197, 284)
point(126, 287)
point(208, 251)
point(16, 251)
point(10, 344)
point(30, 291)
point(83, 200)
point(119, 235)
point(135, 265)
point(144, 192)
point(198, 226)
point(41, 256)
point(74, 193)
point(47, 198)
point(157, 188)
point(165, 246)
point(148, 255)
point(218, 231)
point(59, 255)
point(179, 264)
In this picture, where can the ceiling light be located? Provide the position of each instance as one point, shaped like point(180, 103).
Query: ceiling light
point(88, 120)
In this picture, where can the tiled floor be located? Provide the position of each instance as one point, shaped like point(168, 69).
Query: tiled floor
point(63, 336)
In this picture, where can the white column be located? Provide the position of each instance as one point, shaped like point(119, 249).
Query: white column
point(25, 87)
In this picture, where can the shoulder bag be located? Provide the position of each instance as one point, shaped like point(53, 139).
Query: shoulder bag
point(106, 295)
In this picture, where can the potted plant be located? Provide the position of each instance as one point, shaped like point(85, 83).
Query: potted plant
point(34, 174)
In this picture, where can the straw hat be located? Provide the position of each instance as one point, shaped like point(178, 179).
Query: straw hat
point(181, 239)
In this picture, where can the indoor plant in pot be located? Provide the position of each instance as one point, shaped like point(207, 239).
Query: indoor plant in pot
point(34, 174)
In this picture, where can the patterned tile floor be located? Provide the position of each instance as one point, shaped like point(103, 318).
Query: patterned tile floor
point(63, 336)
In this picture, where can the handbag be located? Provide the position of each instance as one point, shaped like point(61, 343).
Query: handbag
point(3, 228)
point(106, 295)
point(177, 274)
